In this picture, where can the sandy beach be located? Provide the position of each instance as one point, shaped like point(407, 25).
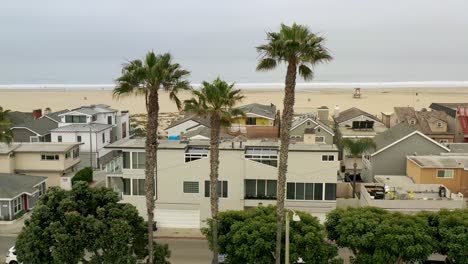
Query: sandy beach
point(374, 101)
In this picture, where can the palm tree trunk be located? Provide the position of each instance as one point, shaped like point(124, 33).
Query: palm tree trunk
point(288, 111)
point(354, 177)
point(151, 164)
point(214, 166)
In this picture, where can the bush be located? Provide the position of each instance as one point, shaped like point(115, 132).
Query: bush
point(85, 174)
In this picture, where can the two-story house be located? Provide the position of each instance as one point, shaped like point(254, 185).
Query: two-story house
point(56, 161)
point(95, 127)
point(311, 128)
point(247, 178)
point(354, 123)
point(435, 124)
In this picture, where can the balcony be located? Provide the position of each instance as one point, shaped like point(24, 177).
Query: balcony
point(114, 166)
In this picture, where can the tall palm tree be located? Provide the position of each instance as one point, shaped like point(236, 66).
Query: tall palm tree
point(300, 50)
point(146, 78)
point(357, 147)
point(215, 100)
point(5, 124)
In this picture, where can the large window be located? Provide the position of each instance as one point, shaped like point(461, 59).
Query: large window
point(49, 157)
point(103, 138)
point(76, 153)
point(363, 124)
point(319, 139)
point(191, 187)
point(75, 119)
point(222, 189)
point(17, 204)
point(78, 138)
point(195, 153)
point(109, 120)
point(251, 121)
point(310, 191)
point(138, 160)
point(138, 187)
point(59, 138)
point(126, 160)
point(444, 173)
point(126, 186)
point(268, 156)
point(263, 189)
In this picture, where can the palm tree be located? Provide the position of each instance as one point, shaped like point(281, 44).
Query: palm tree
point(356, 147)
point(300, 50)
point(5, 124)
point(146, 78)
point(215, 100)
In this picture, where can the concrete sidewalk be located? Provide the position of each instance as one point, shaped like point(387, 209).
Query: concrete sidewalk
point(13, 227)
point(182, 233)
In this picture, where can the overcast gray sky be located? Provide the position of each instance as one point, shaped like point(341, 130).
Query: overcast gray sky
point(85, 41)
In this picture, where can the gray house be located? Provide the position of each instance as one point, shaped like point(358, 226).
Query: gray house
point(19, 193)
point(33, 127)
point(393, 146)
point(323, 133)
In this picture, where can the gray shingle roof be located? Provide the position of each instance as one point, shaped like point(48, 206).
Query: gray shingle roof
point(422, 119)
point(268, 111)
point(205, 121)
point(305, 117)
point(82, 128)
point(391, 135)
point(11, 185)
point(352, 113)
point(41, 126)
point(205, 132)
point(55, 115)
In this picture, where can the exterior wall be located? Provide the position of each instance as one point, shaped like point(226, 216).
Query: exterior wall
point(392, 161)
point(97, 145)
point(22, 135)
point(102, 118)
point(32, 161)
point(62, 118)
point(413, 171)
point(181, 128)
point(7, 163)
point(299, 132)
point(435, 128)
point(5, 212)
point(32, 200)
point(123, 120)
point(53, 178)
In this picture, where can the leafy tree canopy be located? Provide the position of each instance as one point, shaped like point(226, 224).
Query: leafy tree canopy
point(249, 237)
point(84, 225)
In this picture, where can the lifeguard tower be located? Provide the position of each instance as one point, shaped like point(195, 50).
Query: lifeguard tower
point(357, 93)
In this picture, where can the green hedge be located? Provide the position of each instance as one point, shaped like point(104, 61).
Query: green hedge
point(85, 174)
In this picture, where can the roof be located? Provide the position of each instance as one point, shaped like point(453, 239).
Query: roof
point(458, 147)
point(41, 126)
point(267, 111)
point(5, 148)
point(12, 185)
point(55, 115)
point(449, 108)
point(45, 147)
point(352, 113)
point(205, 132)
point(422, 120)
point(300, 120)
point(391, 135)
point(204, 121)
point(224, 145)
point(92, 109)
point(82, 128)
point(441, 162)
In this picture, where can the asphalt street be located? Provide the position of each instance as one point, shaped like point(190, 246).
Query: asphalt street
point(6, 242)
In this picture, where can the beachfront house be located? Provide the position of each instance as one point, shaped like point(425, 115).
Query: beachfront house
point(310, 128)
point(57, 161)
point(435, 124)
point(247, 178)
point(94, 127)
point(34, 126)
point(19, 193)
point(354, 123)
point(393, 146)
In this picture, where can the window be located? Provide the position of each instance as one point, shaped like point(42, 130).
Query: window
point(94, 118)
point(363, 124)
point(191, 187)
point(75, 119)
point(138, 187)
point(76, 153)
point(195, 153)
point(319, 139)
point(328, 157)
point(68, 154)
point(17, 204)
point(49, 157)
point(308, 191)
point(308, 123)
point(412, 122)
point(260, 189)
point(126, 186)
point(330, 191)
point(124, 130)
point(222, 189)
point(34, 139)
point(444, 173)
point(251, 121)
point(59, 138)
point(439, 124)
point(138, 160)
point(78, 138)
point(318, 129)
point(126, 160)
point(41, 189)
point(268, 156)
point(103, 138)
point(109, 120)
point(445, 141)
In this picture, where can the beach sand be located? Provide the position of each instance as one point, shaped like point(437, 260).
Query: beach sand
point(373, 101)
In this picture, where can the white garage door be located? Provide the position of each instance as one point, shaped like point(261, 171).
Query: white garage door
point(177, 218)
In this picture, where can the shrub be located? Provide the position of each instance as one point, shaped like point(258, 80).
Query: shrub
point(85, 174)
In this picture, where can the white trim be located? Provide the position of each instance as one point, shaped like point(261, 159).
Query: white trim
point(326, 129)
point(305, 119)
point(360, 116)
point(50, 118)
point(27, 129)
point(407, 136)
point(266, 117)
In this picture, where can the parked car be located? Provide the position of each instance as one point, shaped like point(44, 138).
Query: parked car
point(11, 256)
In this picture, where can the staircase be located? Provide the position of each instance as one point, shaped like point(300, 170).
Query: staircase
point(462, 114)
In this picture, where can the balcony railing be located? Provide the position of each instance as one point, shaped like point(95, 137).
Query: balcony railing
point(115, 165)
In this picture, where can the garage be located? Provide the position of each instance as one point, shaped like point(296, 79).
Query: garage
point(171, 218)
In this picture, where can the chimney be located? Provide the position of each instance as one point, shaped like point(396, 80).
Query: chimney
point(337, 111)
point(47, 111)
point(37, 113)
point(322, 113)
